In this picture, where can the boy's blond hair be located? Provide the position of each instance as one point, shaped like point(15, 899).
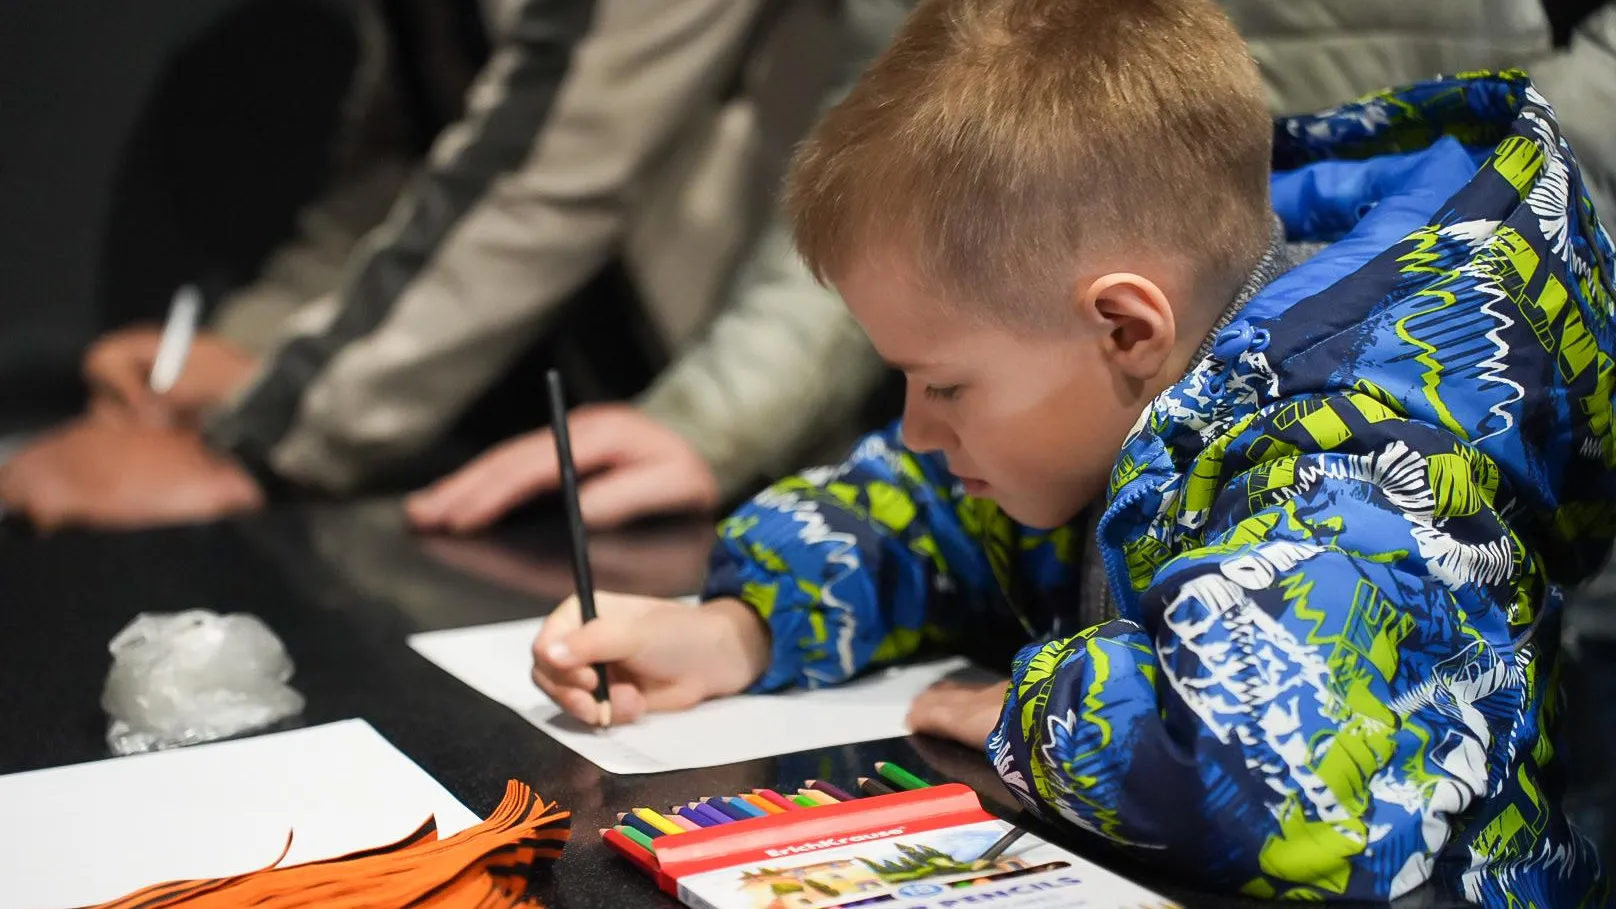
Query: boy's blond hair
point(996, 142)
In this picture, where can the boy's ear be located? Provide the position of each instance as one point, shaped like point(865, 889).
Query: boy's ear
point(1135, 320)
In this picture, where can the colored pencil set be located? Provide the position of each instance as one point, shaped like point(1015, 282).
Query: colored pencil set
point(637, 831)
point(717, 831)
point(893, 839)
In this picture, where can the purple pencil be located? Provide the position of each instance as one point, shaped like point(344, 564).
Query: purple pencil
point(710, 813)
point(722, 806)
point(840, 795)
point(695, 817)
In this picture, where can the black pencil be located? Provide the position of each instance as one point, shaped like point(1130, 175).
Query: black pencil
point(581, 574)
point(872, 786)
point(1005, 842)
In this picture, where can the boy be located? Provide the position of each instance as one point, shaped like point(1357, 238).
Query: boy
point(1287, 544)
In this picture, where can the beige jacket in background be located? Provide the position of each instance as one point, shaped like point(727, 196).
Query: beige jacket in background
point(595, 126)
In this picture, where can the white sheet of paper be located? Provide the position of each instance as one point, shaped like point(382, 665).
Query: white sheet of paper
point(497, 660)
point(89, 833)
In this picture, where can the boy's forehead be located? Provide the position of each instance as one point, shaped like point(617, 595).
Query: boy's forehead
point(895, 307)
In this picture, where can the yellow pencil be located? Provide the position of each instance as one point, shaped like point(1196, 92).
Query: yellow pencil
point(658, 821)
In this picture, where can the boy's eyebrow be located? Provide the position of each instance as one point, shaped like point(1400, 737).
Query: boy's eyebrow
point(903, 367)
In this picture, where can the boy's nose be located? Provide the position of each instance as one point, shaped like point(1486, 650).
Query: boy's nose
point(921, 431)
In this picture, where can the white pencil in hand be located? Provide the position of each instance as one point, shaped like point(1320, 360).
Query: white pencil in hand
point(178, 333)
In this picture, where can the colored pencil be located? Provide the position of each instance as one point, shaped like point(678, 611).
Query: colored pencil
point(695, 817)
point(817, 797)
point(723, 807)
point(658, 821)
point(638, 837)
point(747, 808)
point(678, 820)
point(775, 798)
point(835, 792)
point(900, 777)
point(582, 577)
point(870, 786)
point(631, 820)
point(632, 851)
point(805, 801)
point(760, 803)
point(710, 813)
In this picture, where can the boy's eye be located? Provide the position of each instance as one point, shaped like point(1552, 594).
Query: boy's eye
point(942, 392)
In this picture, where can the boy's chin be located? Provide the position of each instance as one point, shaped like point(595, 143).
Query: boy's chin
point(1038, 515)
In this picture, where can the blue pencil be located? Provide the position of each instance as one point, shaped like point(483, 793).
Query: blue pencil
point(722, 806)
point(710, 813)
point(630, 820)
point(743, 805)
point(695, 817)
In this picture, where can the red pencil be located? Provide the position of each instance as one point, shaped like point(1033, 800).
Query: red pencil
point(778, 799)
point(631, 851)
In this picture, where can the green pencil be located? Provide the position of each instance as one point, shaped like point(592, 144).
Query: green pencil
point(638, 837)
point(900, 777)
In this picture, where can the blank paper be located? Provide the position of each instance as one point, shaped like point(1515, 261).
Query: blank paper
point(497, 660)
point(93, 832)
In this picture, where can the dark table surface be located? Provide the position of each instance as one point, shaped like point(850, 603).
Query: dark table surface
point(343, 586)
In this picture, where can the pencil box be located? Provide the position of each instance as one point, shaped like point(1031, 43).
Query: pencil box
point(930, 846)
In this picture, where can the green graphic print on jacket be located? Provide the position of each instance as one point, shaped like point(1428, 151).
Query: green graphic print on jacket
point(1337, 548)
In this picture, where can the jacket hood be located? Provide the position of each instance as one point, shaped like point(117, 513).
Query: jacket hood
point(1468, 285)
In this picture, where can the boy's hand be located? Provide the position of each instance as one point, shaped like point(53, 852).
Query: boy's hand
point(966, 712)
point(663, 655)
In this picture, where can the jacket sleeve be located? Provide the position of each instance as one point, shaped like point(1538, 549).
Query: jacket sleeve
point(518, 204)
point(860, 564)
point(1311, 701)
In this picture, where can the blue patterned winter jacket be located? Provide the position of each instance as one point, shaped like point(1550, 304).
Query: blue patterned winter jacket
point(1337, 549)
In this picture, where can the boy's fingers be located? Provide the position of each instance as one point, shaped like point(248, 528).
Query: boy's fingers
point(928, 713)
point(583, 677)
point(609, 638)
point(628, 703)
point(555, 686)
point(557, 625)
point(578, 704)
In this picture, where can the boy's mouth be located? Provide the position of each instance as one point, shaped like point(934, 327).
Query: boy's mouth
point(974, 487)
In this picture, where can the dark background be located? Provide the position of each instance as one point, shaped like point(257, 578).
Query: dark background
point(142, 145)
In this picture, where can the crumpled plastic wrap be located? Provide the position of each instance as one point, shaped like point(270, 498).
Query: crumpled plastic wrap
point(194, 676)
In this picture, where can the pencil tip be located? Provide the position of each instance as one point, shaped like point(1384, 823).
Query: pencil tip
point(604, 720)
